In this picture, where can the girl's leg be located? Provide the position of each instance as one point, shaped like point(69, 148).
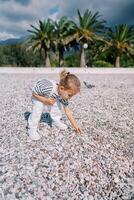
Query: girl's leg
point(56, 111)
point(34, 119)
point(56, 114)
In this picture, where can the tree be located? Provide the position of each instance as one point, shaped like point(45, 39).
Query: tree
point(42, 38)
point(120, 40)
point(86, 30)
point(64, 31)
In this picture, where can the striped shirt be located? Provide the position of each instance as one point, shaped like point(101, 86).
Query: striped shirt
point(48, 88)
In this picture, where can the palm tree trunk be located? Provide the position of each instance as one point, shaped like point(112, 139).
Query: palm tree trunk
point(47, 59)
point(61, 57)
point(82, 56)
point(117, 62)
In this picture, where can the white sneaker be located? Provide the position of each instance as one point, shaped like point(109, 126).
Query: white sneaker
point(33, 134)
point(60, 125)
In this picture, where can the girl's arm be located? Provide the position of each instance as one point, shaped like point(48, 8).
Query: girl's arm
point(71, 119)
point(45, 100)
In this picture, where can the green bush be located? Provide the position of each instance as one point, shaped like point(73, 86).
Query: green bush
point(72, 60)
point(127, 61)
point(102, 63)
point(54, 62)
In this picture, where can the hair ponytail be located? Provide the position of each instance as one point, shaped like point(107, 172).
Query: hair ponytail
point(63, 74)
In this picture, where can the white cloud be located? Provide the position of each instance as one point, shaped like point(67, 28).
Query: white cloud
point(5, 36)
point(54, 16)
point(15, 18)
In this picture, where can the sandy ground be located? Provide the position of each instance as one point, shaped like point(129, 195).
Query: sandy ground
point(96, 165)
point(43, 70)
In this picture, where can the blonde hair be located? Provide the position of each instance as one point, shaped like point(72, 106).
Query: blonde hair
point(69, 80)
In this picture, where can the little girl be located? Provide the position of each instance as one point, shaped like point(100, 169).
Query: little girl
point(54, 96)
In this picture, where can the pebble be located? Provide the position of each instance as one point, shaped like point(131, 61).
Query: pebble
point(96, 165)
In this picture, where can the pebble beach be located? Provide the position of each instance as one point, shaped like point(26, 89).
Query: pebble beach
point(97, 164)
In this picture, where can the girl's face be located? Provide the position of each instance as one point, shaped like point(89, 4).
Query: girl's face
point(68, 93)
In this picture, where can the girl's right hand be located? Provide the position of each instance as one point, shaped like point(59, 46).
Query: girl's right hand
point(50, 101)
point(78, 130)
point(45, 100)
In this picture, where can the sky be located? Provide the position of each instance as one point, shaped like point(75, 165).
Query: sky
point(16, 16)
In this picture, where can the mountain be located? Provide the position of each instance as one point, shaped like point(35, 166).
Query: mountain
point(11, 41)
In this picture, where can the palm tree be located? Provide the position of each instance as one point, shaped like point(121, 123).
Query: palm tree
point(86, 30)
point(42, 38)
point(120, 40)
point(64, 33)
